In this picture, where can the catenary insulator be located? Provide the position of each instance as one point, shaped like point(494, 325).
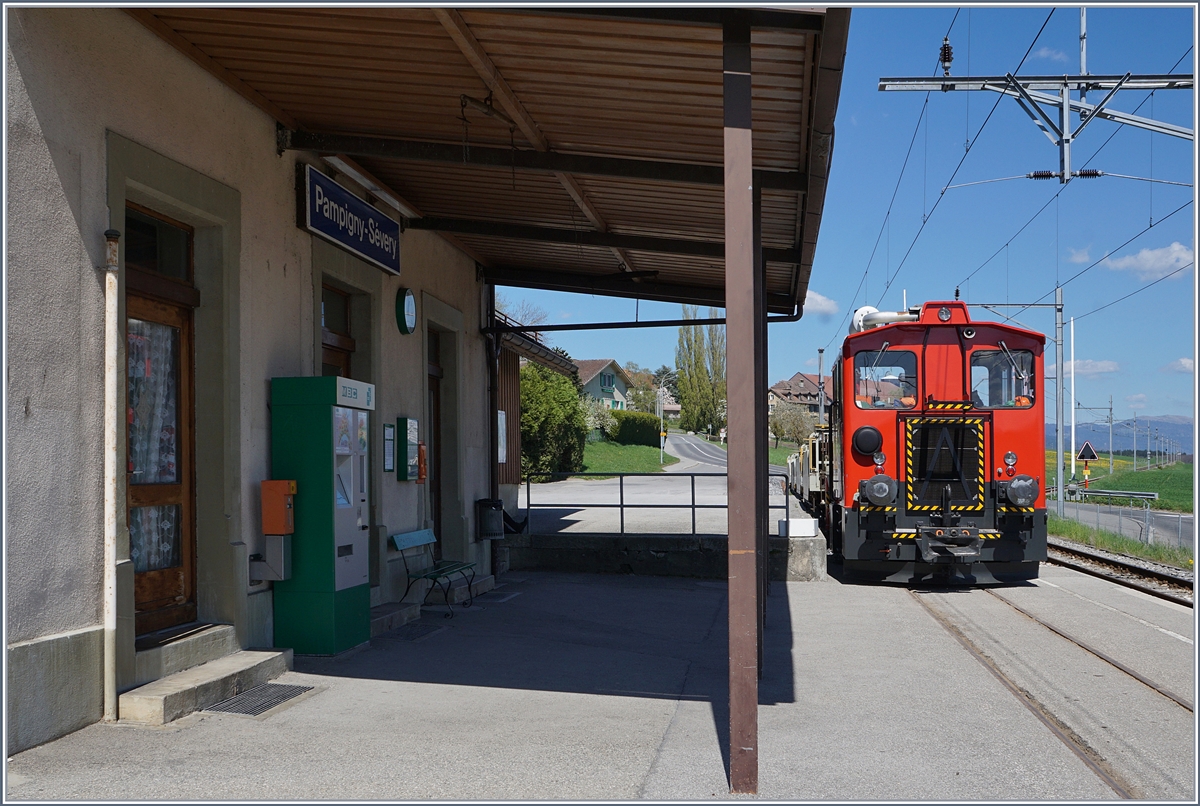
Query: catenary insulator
point(1042, 175)
point(1088, 173)
point(946, 55)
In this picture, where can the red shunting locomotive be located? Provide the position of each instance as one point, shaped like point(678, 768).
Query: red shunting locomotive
point(936, 449)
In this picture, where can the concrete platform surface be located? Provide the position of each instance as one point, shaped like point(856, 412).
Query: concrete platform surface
point(574, 686)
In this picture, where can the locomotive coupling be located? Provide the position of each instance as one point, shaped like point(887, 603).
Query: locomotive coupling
point(948, 544)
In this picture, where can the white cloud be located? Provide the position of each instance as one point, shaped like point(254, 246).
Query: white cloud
point(1184, 365)
point(1153, 264)
point(1085, 368)
point(820, 305)
point(812, 362)
point(1049, 53)
point(1079, 255)
point(1137, 401)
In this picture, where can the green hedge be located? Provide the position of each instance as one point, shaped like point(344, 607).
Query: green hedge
point(553, 428)
point(635, 428)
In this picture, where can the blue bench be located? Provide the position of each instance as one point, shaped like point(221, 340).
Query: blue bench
point(439, 573)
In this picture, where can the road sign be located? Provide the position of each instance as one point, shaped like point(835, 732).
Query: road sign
point(1087, 453)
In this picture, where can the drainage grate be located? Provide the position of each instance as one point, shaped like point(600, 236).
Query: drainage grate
point(259, 699)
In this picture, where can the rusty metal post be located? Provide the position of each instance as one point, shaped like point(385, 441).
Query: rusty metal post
point(745, 347)
point(761, 428)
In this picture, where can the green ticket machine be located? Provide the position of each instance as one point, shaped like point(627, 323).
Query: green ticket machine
point(320, 436)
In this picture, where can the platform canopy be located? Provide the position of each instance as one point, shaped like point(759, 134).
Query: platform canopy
point(591, 156)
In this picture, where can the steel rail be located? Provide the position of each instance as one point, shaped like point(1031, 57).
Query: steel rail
point(1101, 655)
point(1031, 704)
point(1087, 563)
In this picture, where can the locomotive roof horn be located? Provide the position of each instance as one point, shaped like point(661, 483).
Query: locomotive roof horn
point(868, 317)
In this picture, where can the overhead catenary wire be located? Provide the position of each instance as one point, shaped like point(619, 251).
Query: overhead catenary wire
point(895, 191)
point(1184, 267)
point(1049, 201)
point(963, 159)
point(1096, 263)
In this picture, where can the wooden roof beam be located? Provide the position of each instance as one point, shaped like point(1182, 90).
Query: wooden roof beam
point(760, 19)
point(525, 160)
point(612, 240)
point(483, 65)
point(619, 285)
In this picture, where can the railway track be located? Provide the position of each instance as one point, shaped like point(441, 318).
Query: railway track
point(1149, 577)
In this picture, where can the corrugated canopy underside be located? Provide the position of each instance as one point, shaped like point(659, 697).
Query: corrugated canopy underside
point(574, 83)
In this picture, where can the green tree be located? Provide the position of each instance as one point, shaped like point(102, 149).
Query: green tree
point(715, 351)
point(665, 376)
point(700, 374)
point(791, 421)
point(553, 426)
point(642, 398)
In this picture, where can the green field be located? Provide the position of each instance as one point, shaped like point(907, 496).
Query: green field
point(609, 457)
point(1079, 533)
point(1099, 469)
point(1172, 483)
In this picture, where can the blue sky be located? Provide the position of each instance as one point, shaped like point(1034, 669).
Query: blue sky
point(1140, 350)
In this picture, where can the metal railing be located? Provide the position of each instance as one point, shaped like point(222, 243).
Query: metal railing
point(1142, 523)
point(622, 505)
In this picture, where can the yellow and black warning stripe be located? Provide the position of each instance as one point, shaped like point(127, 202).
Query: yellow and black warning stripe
point(959, 405)
point(871, 508)
point(938, 508)
point(1003, 508)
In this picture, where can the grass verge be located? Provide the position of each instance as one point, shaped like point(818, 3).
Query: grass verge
point(1097, 538)
point(609, 457)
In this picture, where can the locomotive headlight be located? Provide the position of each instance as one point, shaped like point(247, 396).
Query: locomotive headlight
point(867, 440)
point(944, 314)
point(880, 457)
point(1023, 491)
point(880, 489)
point(1010, 459)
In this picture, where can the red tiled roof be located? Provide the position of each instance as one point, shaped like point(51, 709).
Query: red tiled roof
point(591, 367)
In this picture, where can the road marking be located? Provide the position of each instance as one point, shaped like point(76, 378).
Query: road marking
point(1183, 638)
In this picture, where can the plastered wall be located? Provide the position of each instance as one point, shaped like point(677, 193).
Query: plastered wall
point(75, 77)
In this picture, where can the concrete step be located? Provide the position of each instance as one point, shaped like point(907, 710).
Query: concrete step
point(194, 689)
point(389, 616)
point(458, 590)
point(170, 651)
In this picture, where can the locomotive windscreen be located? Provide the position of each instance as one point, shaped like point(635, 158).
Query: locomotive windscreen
point(941, 452)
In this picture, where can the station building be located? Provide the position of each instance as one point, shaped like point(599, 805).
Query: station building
point(178, 135)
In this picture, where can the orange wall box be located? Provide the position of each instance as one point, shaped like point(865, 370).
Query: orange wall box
point(278, 516)
point(278, 524)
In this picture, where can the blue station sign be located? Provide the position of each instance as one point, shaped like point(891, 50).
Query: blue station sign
point(330, 211)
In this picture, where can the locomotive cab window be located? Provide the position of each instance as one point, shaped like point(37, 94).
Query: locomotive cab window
point(1002, 379)
point(885, 379)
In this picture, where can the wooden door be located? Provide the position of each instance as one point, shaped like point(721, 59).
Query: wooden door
point(161, 475)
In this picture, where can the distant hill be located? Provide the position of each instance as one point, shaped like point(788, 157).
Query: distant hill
point(1170, 426)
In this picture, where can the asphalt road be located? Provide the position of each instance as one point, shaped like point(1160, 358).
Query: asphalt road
point(696, 449)
point(1165, 528)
